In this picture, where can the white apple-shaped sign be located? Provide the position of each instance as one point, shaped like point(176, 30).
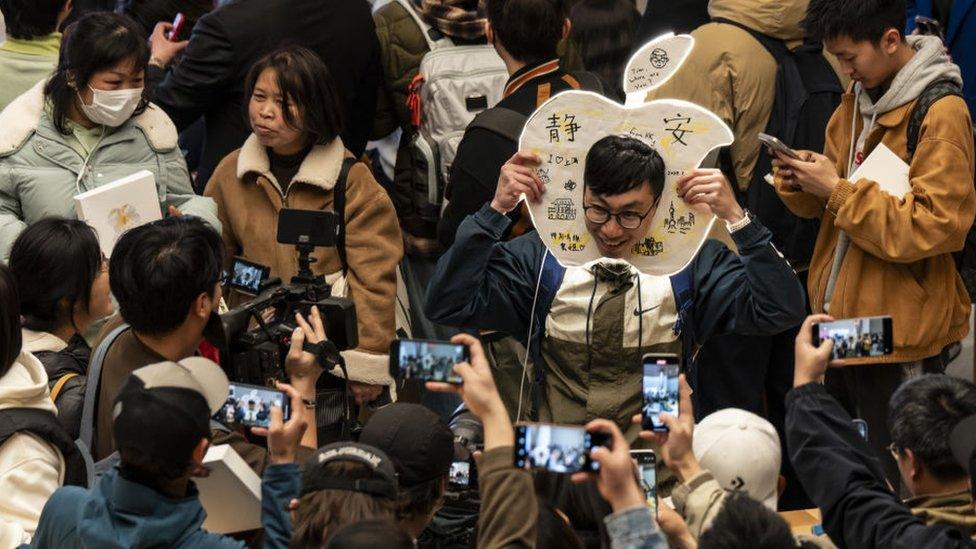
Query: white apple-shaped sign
point(564, 128)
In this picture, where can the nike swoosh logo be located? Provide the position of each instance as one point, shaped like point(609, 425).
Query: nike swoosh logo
point(638, 312)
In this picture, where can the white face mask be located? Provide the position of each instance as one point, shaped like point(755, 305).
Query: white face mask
point(112, 108)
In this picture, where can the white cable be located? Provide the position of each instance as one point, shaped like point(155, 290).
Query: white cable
point(528, 340)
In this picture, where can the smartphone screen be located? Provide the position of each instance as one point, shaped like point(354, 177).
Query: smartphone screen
point(660, 390)
point(250, 405)
point(247, 276)
point(857, 337)
point(556, 448)
point(647, 474)
point(460, 474)
point(426, 360)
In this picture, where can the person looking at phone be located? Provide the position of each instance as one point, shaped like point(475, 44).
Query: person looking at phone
point(879, 254)
point(842, 476)
point(162, 426)
point(166, 277)
point(88, 125)
point(605, 317)
point(294, 158)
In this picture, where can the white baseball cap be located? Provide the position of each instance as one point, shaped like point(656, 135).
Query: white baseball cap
point(742, 452)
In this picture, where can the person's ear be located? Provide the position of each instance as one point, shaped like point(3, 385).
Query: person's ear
point(890, 41)
point(780, 486)
point(200, 451)
point(567, 28)
point(489, 33)
point(914, 465)
point(64, 13)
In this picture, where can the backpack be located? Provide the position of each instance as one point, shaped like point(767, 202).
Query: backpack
point(965, 258)
point(47, 427)
point(550, 280)
point(454, 83)
point(807, 93)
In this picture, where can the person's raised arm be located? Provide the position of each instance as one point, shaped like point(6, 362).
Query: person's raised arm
point(483, 283)
point(280, 483)
point(508, 501)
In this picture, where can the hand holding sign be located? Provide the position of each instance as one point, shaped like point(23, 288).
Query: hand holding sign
point(517, 177)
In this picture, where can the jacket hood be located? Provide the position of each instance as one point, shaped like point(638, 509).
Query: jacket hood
point(122, 513)
point(929, 64)
point(22, 117)
point(25, 385)
point(36, 342)
point(320, 168)
point(780, 19)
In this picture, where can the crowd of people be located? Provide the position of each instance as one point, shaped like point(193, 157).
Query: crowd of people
point(115, 364)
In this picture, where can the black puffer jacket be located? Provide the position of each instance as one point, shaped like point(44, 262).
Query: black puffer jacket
point(73, 359)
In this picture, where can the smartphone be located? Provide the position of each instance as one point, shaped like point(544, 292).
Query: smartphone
point(463, 475)
point(246, 276)
point(775, 145)
point(557, 448)
point(178, 22)
point(857, 337)
point(250, 405)
point(929, 27)
point(426, 360)
point(862, 428)
point(660, 390)
point(647, 475)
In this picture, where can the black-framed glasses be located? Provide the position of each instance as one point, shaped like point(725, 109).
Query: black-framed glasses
point(627, 220)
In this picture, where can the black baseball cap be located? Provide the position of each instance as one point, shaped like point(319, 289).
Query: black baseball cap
point(383, 483)
point(418, 440)
point(164, 409)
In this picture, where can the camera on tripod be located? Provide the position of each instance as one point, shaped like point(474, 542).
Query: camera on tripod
point(253, 348)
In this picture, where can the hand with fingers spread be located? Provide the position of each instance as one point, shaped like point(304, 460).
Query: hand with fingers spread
point(284, 438)
point(480, 394)
point(616, 480)
point(709, 187)
point(518, 177)
point(812, 357)
point(676, 449)
point(814, 174)
point(162, 50)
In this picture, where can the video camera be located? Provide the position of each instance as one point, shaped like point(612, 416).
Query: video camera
point(257, 355)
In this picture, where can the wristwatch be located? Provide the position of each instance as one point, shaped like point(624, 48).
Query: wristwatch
point(157, 62)
point(740, 224)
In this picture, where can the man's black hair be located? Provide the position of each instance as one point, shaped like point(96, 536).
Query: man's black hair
point(530, 30)
point(744, 522)
point(922, 413)
point(11, 339)
point(858, 20)
point(55, 261)
point(158, 270)
point(30, 19)
point(618, 164)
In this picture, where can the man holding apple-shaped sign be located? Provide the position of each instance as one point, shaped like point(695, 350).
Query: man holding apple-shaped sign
point(620, 264)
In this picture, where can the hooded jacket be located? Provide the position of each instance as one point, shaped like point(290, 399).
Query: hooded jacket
point(61, 359)
point(960, 37)
point(731, 74)
point(878, 254)
point(249, 198)
point(598, 327)
point(120, 513)
point(30, 469)
point(39, 169)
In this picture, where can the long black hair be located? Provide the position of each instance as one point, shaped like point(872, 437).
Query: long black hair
point(96, 42)
point(605, 31)
point(10, 336)
point(55, 262)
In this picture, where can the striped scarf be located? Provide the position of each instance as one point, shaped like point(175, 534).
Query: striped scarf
point(462, 19)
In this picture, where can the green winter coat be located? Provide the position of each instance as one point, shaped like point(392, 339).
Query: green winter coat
point(39, 168)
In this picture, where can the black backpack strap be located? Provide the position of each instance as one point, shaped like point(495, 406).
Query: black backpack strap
point(339, 205)
point(501, 121)
point(46, 426)
point(932, 94)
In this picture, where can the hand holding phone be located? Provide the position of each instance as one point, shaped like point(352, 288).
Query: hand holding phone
point(178, 22)
point(660, 389)
point(615, 479)
point(427, 360)
point(647, 475)
point(561, 449)
point(865, 337)
point(250, 405)
point(675, 443)
point(774, 145)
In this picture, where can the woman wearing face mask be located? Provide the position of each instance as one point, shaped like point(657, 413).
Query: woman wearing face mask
point(87, 126)
point(62, 282)
point(295, 159)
